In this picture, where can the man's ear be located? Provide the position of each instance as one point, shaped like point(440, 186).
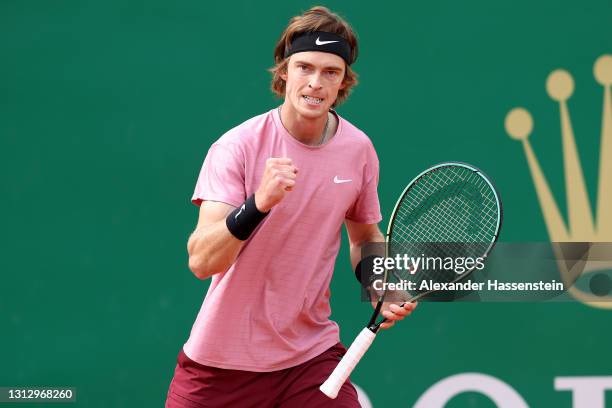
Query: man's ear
point(283, 72)
point(283, 75)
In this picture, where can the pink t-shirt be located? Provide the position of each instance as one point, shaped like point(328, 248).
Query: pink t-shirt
point(271, 310)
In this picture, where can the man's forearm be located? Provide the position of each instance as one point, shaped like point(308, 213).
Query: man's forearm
point(212, 249)
point(374, 244)
point(356, 251)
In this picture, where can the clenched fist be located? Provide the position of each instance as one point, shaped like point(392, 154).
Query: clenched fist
point(278, 179)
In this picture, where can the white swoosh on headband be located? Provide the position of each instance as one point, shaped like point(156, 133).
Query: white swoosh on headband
point(319, 42)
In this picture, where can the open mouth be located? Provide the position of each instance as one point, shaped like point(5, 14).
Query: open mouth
point(312, 100)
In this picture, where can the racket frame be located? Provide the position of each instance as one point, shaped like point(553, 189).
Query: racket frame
point(376, 326)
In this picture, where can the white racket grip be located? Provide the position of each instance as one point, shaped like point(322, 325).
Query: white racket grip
point(347, 364)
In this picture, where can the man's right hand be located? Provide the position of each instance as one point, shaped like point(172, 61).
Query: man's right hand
point(278, 179)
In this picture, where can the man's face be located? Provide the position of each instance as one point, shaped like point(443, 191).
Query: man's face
point(313, 80)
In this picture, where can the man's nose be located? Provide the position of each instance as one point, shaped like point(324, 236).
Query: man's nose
point(315, 82)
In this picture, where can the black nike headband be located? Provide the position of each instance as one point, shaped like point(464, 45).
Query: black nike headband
point(320, 41)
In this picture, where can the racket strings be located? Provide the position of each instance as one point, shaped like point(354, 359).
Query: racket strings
point(450, 212)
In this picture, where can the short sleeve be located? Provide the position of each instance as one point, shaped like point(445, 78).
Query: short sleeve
point(221, 177)
point(366, 208)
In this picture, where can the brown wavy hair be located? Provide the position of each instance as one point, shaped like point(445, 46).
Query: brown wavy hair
point(318, 18)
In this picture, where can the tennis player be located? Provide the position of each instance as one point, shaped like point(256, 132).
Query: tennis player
point(273, 195)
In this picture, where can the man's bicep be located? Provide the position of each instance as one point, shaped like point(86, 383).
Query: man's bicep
point(212, 212)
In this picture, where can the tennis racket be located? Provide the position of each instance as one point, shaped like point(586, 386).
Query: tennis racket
point(450, 210)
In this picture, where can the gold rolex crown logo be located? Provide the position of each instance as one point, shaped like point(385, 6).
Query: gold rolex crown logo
point(582, 225)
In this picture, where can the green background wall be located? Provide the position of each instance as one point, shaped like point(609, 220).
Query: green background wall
point(107, 110)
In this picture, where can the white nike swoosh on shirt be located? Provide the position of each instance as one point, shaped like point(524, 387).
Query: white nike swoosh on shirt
point(319, 42)
point(339, 181)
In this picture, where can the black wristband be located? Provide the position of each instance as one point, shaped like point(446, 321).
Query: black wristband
point(364, 271)
point(243, 220)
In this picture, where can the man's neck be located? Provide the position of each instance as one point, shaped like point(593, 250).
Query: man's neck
point(306, 130)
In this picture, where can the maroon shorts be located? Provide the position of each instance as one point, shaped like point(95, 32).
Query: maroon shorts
point(197, 386)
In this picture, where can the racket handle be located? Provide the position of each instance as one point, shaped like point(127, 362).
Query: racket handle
point(335, 381)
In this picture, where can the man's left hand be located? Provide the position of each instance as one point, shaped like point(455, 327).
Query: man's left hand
point(394, 313)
